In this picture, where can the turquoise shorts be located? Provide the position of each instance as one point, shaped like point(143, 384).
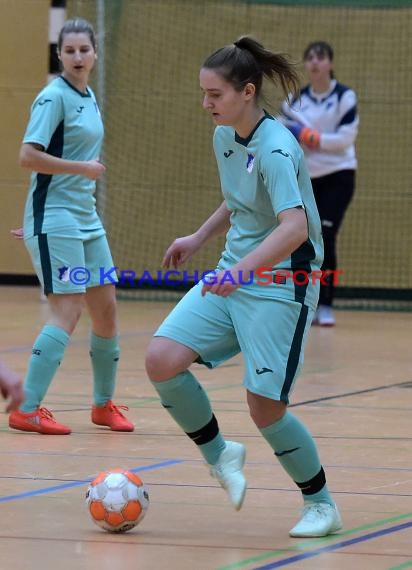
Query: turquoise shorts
point(71, 265)
point(269, 332)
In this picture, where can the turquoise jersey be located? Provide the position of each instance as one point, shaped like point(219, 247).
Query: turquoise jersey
point(67, 124)
point(260, 177)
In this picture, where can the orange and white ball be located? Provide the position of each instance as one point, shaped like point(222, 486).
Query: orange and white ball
point(117, 500)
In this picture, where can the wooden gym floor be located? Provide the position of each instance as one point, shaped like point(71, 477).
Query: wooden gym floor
point(354, 394)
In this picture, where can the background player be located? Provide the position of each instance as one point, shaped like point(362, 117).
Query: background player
point(324, 119)
point(62, 231)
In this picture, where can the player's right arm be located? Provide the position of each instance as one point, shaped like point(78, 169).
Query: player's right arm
point(217, 224)
point(33, 157)
point(183, 248)
point(46, 116)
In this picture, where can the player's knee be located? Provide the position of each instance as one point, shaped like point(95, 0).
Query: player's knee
point(159, 365)
point(152, 363)
point(107, 318)
point(166, 358)
point(265, 411)
point(66, 308)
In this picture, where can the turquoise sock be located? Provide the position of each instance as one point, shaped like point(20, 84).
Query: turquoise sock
point(188, 404)
point(48, 351)
point(104, 353)
point(297, 453)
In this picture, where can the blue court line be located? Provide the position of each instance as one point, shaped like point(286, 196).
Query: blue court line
point(85, 481)
point(335, 546)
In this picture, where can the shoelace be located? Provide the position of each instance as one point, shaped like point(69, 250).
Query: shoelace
point(46, 414)
point(312, 510)
point(116, 409)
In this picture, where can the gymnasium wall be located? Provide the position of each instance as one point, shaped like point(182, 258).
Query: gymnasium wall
point(23, 71)
point(161, 176)
point(161, 180)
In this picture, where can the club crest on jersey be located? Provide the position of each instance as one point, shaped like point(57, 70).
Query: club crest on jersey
point(250, 162)
point(64, 273)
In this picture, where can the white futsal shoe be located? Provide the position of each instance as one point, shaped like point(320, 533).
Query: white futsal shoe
point(228, 471)
point(318, 519)
point(324, 316)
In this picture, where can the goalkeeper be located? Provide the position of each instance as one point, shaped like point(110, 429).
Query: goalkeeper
point(324, 119)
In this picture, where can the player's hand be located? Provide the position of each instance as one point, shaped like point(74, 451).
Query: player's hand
point(180, 250)
point(305, 135)
point(11, 387)
point(17, 233)
point(222, 283)
point(310, 138)
point(93, 169)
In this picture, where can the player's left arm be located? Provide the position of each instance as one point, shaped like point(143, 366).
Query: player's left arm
point(291, 232)
point(279, 171)
point(344, 134)
point(279, 168)
point(346, 127)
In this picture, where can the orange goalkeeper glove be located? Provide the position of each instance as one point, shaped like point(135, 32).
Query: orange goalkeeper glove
point(309, 137)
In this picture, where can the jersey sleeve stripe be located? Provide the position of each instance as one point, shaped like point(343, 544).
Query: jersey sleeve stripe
point(349, 117)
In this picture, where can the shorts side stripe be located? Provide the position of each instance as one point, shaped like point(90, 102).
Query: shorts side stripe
point(45, 263)
point(294, 354)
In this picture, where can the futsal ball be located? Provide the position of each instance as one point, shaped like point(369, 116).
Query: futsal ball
point(117, 500)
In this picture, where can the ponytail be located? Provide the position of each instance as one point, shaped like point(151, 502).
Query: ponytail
point(247, 61)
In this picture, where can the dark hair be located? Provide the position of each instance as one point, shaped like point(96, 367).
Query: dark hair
point(320, 48)
point(247, 61)
point(77, 26)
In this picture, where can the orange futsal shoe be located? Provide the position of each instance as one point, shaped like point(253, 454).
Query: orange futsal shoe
point(39, 421)
point(110, 415)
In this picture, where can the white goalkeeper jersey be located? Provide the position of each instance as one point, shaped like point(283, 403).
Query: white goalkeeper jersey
point(334, 115)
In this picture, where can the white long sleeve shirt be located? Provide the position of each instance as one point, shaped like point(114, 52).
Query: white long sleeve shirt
point(334, 115)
